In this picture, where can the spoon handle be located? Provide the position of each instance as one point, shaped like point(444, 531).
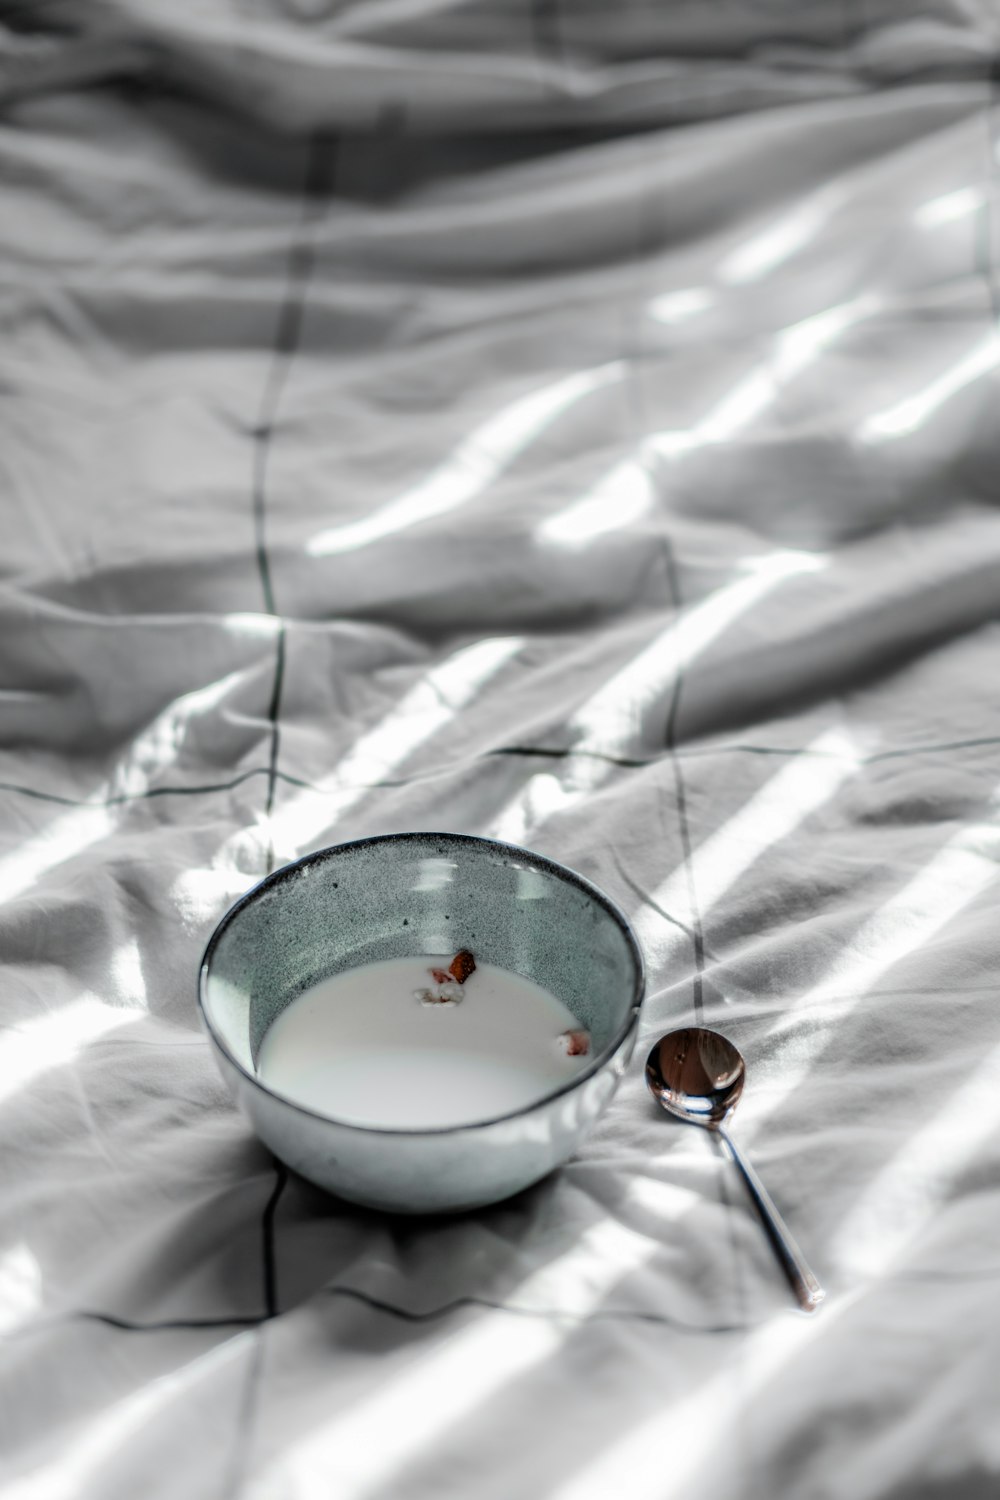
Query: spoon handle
point(804, 1284)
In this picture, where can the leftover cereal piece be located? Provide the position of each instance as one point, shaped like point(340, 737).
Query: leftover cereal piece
point(575, 1043)
point(462, 965)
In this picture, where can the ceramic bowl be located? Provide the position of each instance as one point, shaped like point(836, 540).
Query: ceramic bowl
point(412, 894)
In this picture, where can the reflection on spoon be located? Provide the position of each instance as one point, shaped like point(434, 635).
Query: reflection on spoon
point(698, 1076)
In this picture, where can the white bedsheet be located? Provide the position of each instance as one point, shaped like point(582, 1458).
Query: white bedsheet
point(577, 424)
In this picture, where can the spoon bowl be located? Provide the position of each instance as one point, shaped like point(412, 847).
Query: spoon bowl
point(698, 1075)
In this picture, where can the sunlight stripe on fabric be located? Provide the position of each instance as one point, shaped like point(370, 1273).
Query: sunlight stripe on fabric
point(423, 712)
point(901, 1200)
point(663, 1456)
point(794, 349)
point(619, 499)
point(964, 868)
point(20, 1286)
point(676, 307)
point(949, 207)
point(779, 241)
point(153, 750)
point(72, 1466)
point(772, 814)
point(477, 461)
point(54, 1039)
point(906, 416)
point(66, 836)
point(629, 491)
point(614, 714)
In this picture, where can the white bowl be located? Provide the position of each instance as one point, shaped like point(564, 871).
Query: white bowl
point(413, 894)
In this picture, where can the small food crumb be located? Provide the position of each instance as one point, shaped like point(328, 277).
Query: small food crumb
point(448, 981)
point(574, 1043)
point(445, 994)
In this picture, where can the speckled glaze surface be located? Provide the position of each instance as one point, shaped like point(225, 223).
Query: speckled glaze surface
point(416, 893)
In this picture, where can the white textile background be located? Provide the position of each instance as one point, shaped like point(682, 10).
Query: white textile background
point(575, 423)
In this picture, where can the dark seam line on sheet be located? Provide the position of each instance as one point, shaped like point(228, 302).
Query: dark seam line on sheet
point(248, 1404)
point(987, 739)
point(122, 797)
point(287, 340)
point(629, 763)
point(690, 752)
point(599, 1315)
point(379, 1304)
point(632, 350)
point(644, 896)
point(816, 1017)
point(267, 1241)
point(637, 763)
point(693, 752)
point(546, 32)
point(853, 24)
point(129, 1325)
point(270, 1285)
point(316, 189)
point(680, 790)
point(274, 719)
point(991, 208)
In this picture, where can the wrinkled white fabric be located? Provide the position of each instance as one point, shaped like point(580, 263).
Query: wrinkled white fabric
point(577, 425)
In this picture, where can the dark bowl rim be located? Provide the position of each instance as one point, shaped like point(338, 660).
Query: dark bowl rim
point(541, 861)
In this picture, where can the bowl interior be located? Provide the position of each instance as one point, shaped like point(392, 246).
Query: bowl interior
point(414, 894)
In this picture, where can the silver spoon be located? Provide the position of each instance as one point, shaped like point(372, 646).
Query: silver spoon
point(698, 1076)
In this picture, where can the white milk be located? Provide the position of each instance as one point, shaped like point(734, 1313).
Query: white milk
point(363, 1047)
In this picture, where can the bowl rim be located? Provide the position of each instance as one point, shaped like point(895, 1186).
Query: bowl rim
point(289, 871)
